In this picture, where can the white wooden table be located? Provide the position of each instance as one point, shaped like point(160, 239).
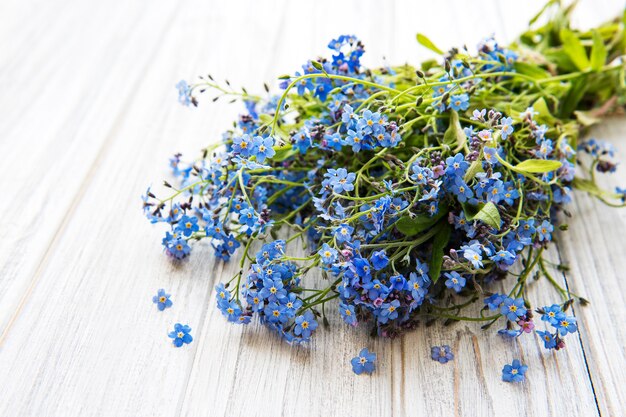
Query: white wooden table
point(88, 118)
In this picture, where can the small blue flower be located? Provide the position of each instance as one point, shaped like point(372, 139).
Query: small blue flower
point(389, 311)
point(184, 93)
point(506, 127)
point(230, 309)
point(496, 192)
point(187, 225)
point(418, 285)
point(490, 156)
point(526, 228)
point(441, 354)
point(162, 300)
point(504, 257)
point(223, 295)
point(398, 282)
point(509, 333)
point(552, 314)
point(363, 268)
point(328, 254)
point(231, 244)
point(302, 141)
point(455, 281)
point(273, 289)
point(340, 180)
point(379, 259)
point(549, 339)
point(275, 313)
point(512, 309)
point(215, 230)
point(494, 301)
point(368, 120)
point(566, 325)
point(364, 363)
point(175, 246)
point(420, 174)
point(304, 84)
point(263, 148)
point(514, 372)
point(305, 325)
point(474, 257)
point(545, 149)
point(243, 145)
point(529, 113)
point(343, 233)
point(347, 313)
point(456, 165)
point(180, 335)
point(459, 102)
point(479, 114)
point(462, 191)
point(544, 231)
point(354, 139)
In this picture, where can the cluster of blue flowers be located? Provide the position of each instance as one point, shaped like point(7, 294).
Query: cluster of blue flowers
point(405, 191)
point(563, 324)
point(268, 292)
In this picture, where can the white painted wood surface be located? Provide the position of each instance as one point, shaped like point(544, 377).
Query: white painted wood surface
point(88, 118)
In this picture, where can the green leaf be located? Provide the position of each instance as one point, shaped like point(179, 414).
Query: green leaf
point(537, 166)
point(532, 70)
point(454, 133)
point(439, 244)
point(592, 188)
point(424, 41)
point(574, 94)
point(489, 215)
point(469, 210)
point(598, 52)
point(283, 152)
point(544, 116)
point(574, 49)
point(541, 12)
point(410, 226)
point(585, 118)
point(475, 168)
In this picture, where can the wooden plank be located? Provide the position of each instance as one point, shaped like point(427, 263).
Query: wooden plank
point(471, 385)
point(593, 247)
point(88, 340)
point(59, 102)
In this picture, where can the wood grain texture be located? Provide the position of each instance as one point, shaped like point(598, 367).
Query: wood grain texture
point(594, 250)
point(89, 119)
point(66, 83)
